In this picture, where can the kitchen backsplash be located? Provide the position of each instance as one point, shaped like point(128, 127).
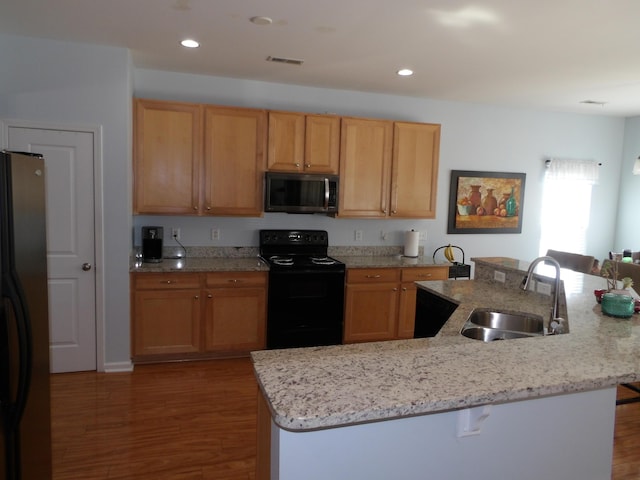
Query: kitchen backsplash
point(237, 252)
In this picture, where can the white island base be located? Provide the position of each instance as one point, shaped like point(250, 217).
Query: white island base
point(560, 437)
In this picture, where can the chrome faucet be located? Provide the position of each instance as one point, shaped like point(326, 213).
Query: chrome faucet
point(555, 321)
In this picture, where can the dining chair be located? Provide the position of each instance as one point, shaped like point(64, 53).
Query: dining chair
point(572, 261)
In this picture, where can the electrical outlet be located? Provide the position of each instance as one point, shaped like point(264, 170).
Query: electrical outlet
point(357, 234)
point(175, 233)
point(543, 288)
point(499, 276)
point(383, 235)
point(215, 234)
point(422, 236)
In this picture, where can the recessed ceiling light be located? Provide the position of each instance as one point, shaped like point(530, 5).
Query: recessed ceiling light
point(405, 72)
point(261, 20)
point(189, 43)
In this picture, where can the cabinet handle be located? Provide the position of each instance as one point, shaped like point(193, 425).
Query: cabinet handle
point(404, 289)
point(395, 289)
point(196, 297)
point(308, 165)
point(233, 280)
point(209, 295)
point(297, 165)
point(373, 276)
point(393, 212)
point(168, 282)
point(208, 208)
point(195, 207)
point(425, 275)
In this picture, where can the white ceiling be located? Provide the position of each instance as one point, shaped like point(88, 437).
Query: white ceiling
point(544, 54)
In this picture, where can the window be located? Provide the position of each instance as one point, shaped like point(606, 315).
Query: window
point(566, 204)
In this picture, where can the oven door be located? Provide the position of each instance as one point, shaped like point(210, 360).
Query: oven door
point(305, 308)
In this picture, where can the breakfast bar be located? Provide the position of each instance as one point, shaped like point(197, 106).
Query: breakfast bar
point(450, 406)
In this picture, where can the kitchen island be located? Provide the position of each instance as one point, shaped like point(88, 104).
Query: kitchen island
point(452, 407)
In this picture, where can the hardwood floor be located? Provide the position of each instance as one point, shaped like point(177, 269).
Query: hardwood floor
point(193, 421)
point(178, 421)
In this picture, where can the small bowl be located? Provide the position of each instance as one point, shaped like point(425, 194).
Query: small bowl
point(598, 294)
point(464, 209)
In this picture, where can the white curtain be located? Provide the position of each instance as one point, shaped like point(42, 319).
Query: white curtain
point(566, 204)
point(584, 171)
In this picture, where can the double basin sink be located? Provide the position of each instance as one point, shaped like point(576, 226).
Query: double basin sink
point(489, 324)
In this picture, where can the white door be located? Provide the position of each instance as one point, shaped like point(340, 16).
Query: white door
point(70, 241)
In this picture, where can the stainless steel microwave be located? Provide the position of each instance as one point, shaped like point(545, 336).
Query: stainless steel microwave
point(301, 193)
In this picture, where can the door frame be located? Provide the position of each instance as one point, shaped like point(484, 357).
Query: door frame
point(98, 213)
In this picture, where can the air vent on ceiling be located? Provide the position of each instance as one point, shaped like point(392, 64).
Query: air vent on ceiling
point(594, 102)
point(290, 61)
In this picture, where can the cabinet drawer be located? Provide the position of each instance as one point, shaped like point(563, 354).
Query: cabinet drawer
point(173, 281)
point(236, 279)
point(423, 274)
point(372, 275)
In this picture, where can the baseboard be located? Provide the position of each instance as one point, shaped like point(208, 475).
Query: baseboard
point(115, 367)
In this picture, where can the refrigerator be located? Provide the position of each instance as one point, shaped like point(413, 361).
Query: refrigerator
point(25, 406)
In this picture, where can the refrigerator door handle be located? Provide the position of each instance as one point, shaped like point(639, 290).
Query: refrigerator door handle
point(23, 331)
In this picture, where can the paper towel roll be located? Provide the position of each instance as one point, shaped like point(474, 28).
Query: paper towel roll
point(411, 243)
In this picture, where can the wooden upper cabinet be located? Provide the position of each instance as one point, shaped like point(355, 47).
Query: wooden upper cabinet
point(234, 160)
point(322, 144)
point(414, 173)
point(167, 156)
point(286, 142)
point(365, 167)
point(388, 169)
point(303, 143)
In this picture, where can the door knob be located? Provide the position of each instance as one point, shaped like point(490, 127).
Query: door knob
point(86, 267)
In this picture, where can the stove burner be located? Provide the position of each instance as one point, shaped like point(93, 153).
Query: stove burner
point(323, 260)
point(280, 260)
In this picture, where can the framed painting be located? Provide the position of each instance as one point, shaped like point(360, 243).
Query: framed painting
point(485, 202)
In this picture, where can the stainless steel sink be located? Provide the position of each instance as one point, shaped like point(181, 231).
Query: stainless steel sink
point(489, 324)
point(490, 334)
point(507, 320)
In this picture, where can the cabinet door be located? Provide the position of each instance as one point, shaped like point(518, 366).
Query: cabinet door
point(365, 167)
point(166, 322)
point(370, 312)
point(167, 155)
point(322, 144)
point(286, 142)
point(235, 319)
point(407, 310)
point(414, 174)
point(234, 156)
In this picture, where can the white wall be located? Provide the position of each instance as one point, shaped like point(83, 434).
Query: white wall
point(474, 137)
point(628, 218)
point(64, 83)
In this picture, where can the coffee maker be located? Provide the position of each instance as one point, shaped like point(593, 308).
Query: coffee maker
point(152, 244)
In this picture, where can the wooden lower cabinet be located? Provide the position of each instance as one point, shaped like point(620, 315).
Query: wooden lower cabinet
point(380, 303)
point(166, 314)
point(235, 312)
point(183, 315)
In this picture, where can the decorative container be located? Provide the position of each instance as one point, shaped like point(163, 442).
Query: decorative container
point(617, 305)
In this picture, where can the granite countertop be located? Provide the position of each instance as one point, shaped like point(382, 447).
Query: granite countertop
point(247, 259)
point(324, 387)
point(387, 261)
point(201, 264)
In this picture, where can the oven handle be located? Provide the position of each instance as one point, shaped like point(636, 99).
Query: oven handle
point(326, 193)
